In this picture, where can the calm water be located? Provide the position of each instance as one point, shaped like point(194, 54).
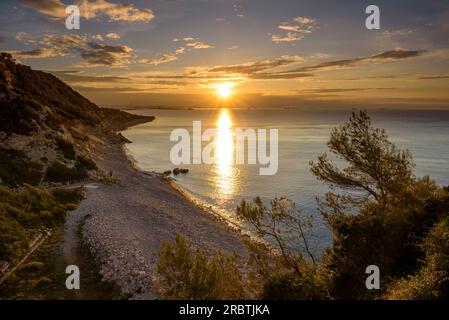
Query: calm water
point(302, 137)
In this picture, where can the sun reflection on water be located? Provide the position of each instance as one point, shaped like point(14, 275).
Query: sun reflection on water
point(224, 178)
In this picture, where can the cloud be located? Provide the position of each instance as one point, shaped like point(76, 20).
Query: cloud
point(290, 27)
point(438, 77)
point(184, 39)
point(54, 8)
point(193, 43)
point(25, 38)
point(36, 53)
point(237, 8)
point(290, 37)
point(106, 55)
point(393, 55)
point(279, 76)
point(113, 36)
point(395, 33)
point(257, 66)
point(180, 50)
point(253, 70)
point(77, 76)
point(54, 46)
point(91, 10)
point(98, 37)
point(190, 44)
point(320, 55)
point(398, 54)
point(239, 72)
point(295, 28)
point(234, 47)
point(167, 57)
point(339, 90)
point(305, 20)
point(93, 54)
point(299, 24)
point(198, 45)
point(116, 89)
point(438, 53)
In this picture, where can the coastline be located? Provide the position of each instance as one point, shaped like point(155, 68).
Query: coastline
point(203, 205)
point(127, 221)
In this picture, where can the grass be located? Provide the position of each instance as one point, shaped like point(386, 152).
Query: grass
point(43, 276)
point(110, 180)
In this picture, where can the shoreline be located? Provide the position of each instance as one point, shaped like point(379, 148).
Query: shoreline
point(203, 205)
point(127, 221)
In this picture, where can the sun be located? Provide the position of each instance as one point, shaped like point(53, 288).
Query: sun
point(224, 90)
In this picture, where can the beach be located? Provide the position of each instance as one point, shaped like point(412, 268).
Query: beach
point(124, 224)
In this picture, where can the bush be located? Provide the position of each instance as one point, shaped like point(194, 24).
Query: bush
point(432, 280)
point(190, 274)
point(13, 240)
point(87, 163)
point(291, 286)
point(16, 168)
point(58, 172)
point(68, 196)
point(30, 209)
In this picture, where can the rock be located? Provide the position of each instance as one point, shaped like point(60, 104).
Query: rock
point(184, 170)
point(176, 171)
point(167, 173)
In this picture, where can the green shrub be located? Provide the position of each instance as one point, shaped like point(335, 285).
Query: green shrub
point(30, 209)
point(432, 280)
point(58, 172)
point(291, 286)
point(68, 196)
point(16, 168)
point(189, 274)
point(87, 163)
point(13, 239)
point(110, 180)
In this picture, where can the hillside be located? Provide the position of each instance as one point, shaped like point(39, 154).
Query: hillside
point(49, 132)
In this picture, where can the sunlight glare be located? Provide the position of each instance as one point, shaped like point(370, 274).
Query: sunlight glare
point(225, 154)
point(224, 90)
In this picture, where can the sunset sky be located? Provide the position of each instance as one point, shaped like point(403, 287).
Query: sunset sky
point(271, 53)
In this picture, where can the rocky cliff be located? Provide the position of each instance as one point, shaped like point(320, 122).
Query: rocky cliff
point(49, 132)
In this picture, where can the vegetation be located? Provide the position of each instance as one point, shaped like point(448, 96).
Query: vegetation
point(109, 180)
point(378, 211)
point(66, 147)
point(59, 172)
point(189, 274)
point(43, 277)
point(28, 94)
point(24, 213)
point(16, 169)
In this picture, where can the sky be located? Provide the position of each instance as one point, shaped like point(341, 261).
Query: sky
point(176, 53)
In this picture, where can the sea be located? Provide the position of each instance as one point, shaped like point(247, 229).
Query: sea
point(302, 137)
